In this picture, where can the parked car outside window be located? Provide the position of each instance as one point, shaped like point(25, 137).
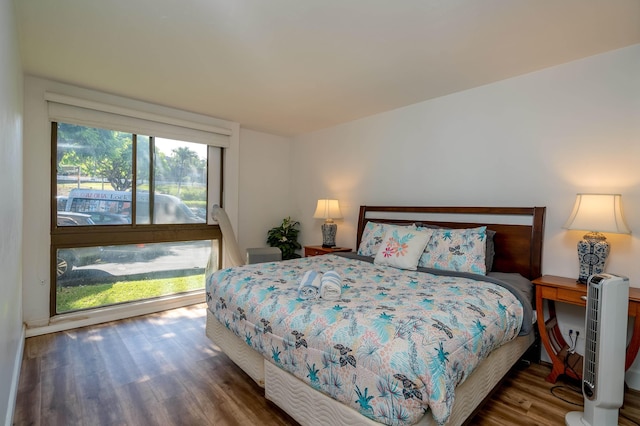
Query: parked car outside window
point(66, 259)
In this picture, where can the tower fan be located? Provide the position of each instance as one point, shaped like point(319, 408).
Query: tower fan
point(605, 348)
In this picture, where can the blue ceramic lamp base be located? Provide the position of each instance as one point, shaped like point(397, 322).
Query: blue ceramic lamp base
point(329, 234)
point(592, 254)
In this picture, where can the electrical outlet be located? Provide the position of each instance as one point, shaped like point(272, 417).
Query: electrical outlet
point(578, 338)
point(570, 331)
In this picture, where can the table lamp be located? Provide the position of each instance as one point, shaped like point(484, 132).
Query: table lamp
point(328, 210)
point(596, 213)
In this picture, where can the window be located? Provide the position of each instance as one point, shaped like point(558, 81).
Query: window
point(129, 209)
point(103, 185)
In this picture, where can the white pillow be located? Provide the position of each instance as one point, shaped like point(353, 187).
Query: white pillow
point(401, 248)
point(373, 234)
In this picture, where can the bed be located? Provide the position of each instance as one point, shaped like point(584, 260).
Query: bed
point(399, 346)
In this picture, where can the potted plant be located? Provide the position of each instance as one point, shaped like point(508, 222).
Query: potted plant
point(285, 237)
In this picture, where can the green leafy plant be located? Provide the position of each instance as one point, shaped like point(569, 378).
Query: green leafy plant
point(285, 237)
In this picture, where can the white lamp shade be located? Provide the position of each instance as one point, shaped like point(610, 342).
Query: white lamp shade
point(598, 213)
point(327, 209)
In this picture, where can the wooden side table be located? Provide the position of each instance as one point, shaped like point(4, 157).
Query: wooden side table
point(319, 250)
point(567, 290)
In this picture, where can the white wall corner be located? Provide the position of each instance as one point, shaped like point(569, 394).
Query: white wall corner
point(15, 379)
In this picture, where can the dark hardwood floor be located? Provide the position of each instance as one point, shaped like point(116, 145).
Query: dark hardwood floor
point(160, 369)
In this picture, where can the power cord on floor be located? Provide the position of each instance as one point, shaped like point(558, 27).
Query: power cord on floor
point(571, 388)
point(579, 391)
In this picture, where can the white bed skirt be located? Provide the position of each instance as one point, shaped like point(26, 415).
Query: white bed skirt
point(250, 361)
point(310, 407)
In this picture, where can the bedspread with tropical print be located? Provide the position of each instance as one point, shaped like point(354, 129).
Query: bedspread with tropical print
point(397, 343)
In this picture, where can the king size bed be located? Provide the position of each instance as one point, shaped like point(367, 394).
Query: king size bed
point(433, 309)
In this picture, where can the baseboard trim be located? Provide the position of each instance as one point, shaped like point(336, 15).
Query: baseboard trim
point(113, 313)
point(15, 379)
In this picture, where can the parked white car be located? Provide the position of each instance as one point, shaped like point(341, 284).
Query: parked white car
point(66, 259)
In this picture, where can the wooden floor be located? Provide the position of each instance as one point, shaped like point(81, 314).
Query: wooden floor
point(160, 369)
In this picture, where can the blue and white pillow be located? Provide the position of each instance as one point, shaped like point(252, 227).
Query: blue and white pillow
point(373, 234)
point(461, 250)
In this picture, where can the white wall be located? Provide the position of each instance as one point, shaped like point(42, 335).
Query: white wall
point(265, 186)
point(533, 140)
point(11, 329)
point(37, 181)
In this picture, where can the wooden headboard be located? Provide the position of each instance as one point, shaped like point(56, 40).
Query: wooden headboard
point(518, 246)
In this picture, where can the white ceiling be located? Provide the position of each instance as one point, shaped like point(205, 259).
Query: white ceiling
point(294, 66)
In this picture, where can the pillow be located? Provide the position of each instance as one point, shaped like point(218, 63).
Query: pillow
point(490, 251)
point(462, 250)
point(402, 248)
point(373, 234)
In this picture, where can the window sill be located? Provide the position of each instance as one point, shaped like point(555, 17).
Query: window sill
point(112, 313)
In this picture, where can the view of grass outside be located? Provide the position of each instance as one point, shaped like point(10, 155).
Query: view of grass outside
point(97, 295)
point(107, 275)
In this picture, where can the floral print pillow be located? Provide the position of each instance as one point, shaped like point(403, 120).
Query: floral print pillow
point(401, 248)
point(372, 237)
point(461, 250)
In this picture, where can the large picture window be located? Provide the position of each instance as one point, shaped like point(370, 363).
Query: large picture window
point(129, 214)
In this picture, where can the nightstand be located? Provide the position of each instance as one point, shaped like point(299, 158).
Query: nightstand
point(566, 290)
point(319, 250)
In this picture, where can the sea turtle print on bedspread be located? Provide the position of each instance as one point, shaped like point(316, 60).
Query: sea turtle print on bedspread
point(397, 342)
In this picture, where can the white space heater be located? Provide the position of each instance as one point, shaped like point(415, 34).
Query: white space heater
point(605, 349)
